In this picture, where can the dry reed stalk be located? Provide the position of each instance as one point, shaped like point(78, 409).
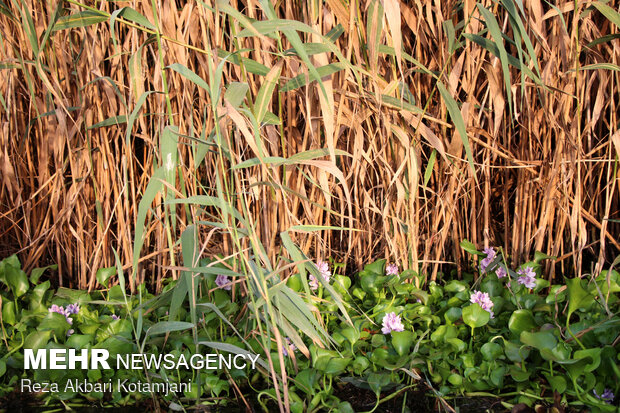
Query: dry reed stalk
point(546, 177)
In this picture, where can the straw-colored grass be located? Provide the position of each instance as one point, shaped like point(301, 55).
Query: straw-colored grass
point(541, 173)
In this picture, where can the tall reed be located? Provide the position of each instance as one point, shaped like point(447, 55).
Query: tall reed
point(432, 122)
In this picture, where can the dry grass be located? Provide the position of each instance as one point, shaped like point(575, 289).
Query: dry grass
point(545, 158)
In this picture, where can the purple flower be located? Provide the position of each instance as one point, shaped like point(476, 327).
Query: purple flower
point(501, 272)
point(290, 345)
point(528, 277)
point(607, 396)
point(323, 268)
point(222, 282)
point(115, 317)
point(391, 322)
point(490, 252)
point(70, 332)
point(72, 309)
point(483, 300)
point(391, 269)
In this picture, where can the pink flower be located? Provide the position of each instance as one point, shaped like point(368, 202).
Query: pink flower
point(528, 277)
point(391, 322)
point(490, 252)
point(483, 300)
point(323, 268)
point(500, 272)
point(391, 269)
point(222, 282)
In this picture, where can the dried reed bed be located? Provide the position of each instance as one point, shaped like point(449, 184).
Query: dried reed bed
point(542, 173)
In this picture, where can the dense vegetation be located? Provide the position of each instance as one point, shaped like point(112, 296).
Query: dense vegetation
point(508, 335)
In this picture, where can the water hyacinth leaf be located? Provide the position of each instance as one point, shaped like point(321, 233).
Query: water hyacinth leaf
point(593, 357)
point(491, 351)
point(515, 352)
point(36, 273)
point(453, 314)
point(104, 274)
point(378, 381)
point(475, 316)
point(470, 247)
point(539, 340)
point(80, 19)
point(8, 313)
point(16, 279)
point(402, 340)
point(578, 297)
point(37, 339)
point(521, 320)
point(557, 383)
point(457, 344)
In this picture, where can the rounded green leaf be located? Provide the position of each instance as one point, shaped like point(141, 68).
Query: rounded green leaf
point(491, 351)
point(474, 316)
point(402, 340)
point(539, 340)
point(521, 320)
point(453, 314)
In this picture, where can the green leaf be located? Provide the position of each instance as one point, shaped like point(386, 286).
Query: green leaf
point(453, 314)
point(167, 327)
point(235, 93)
point(470, 247)
point(56, 322)
point(402, 340)
point(130, 14)
point(114, 120)
point(496, 34)
point(521, 320)
point(104, 274)
point(303, 79)
point(459, 123)
point(491, 351)
point(8, 313)
point(475, 316)
point(578, 297)
point(515, 352)
point(17, 280)
point(557, 383)
point(594, 354)
point(37, 339)
point(377, 381)
point(36, 273)
point(80, 19)
point(539, 340)
point(608, 12)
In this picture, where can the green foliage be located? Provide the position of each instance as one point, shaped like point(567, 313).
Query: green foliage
point(523, 353)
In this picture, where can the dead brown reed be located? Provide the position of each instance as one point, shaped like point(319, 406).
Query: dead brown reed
point(545, 158)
